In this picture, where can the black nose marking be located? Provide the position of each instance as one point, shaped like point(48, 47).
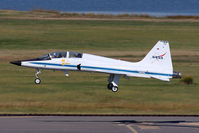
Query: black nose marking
point(16, 63)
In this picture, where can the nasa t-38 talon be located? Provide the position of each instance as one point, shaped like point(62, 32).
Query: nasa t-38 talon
point(156, 64)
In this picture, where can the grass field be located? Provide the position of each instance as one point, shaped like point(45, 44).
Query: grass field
point(86, 92)
point(94, 35)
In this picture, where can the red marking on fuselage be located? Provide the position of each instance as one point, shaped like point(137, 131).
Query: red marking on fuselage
point(163, 55)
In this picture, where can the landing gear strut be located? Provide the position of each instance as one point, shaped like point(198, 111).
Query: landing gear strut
point(37, 80)
point(113, 82)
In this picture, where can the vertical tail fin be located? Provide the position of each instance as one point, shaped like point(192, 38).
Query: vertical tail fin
point(158, 60)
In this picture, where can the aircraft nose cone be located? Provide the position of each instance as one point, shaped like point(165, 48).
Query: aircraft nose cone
point(16, 63)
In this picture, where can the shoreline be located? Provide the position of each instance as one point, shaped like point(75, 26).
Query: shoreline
point(152, 14)
point(115, 13)
point(56, 15)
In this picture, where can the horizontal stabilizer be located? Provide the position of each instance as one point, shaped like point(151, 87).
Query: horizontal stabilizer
point(160, 78)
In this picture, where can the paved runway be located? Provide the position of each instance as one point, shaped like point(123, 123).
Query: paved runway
point(98, 124)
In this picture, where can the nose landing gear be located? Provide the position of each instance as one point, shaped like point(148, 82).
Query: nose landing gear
point(37, 80)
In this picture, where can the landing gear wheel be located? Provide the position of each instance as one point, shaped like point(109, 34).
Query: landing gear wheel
point(109, 86)
point(114, 89)
point(37, 81)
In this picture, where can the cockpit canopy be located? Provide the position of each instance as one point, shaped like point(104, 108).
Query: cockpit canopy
point(58, 54)
point(61, 55)
point(75, 55)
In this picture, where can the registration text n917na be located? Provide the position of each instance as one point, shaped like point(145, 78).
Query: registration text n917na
point(156, 64)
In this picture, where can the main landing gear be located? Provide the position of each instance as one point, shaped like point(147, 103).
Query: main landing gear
point(113, 82)
point(110, 86)
point(37, 80)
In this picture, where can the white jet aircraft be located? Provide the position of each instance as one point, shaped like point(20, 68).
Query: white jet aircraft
point(156, 64)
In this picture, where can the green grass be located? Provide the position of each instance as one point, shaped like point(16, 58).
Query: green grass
point(86, 92)
point(95, 34)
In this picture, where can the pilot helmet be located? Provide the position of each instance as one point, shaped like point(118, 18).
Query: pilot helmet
point(55, 54)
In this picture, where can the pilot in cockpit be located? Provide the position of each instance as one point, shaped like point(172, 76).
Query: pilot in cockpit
point(60, 55)
point(55, 55)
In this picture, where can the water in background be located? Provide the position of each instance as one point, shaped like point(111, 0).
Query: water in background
point(151, 7)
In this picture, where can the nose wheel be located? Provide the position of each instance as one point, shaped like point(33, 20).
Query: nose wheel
point(37, 80)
